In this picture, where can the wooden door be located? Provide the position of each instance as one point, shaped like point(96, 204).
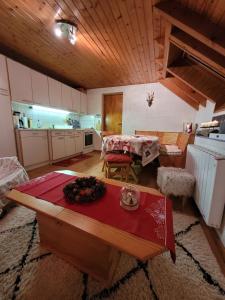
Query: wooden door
point(112, 113)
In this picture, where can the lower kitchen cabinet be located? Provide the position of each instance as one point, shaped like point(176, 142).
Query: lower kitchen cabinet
point(65, 143)
point(79, 141)
point(32, 147)
point(70, 148)
point(58, 147)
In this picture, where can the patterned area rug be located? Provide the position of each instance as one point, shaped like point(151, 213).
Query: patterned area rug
point(30, 272)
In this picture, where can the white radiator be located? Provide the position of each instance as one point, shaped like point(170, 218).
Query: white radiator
point(208, 168)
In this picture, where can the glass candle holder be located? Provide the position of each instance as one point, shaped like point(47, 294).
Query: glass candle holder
point(130, 197)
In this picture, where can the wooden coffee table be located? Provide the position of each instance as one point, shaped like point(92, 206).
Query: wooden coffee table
point(90, 245)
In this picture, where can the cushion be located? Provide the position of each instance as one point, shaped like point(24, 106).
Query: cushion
point(170, 150)
point(114, 157)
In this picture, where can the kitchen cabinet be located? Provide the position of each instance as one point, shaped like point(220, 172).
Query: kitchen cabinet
point(32, 147)
point(39, 88)
point(67, 97)
point(70, 145)
point(7, 137)
point(94, 103)
point(83, 103)
point(20, 82)
point(79, 141)
point(55, 93)
point(76, 100)
point(97, 141)
point(58, 147)
point(4, 85)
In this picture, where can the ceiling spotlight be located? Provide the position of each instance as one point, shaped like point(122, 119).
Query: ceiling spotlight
point(66, 29)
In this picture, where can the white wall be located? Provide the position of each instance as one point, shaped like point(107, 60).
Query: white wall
point(167, 113)
point(205, 113)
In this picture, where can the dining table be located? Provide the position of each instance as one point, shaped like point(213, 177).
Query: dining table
point(145, 146)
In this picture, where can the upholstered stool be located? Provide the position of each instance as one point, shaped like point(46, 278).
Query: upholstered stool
point(176, 182)
point(121, 163)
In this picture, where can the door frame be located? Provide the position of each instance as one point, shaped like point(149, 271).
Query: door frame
point(103, 108)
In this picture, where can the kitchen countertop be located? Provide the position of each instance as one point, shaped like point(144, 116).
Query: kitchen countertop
point(55, 129)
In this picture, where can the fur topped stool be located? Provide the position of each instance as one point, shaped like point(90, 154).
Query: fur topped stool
point(176, 181)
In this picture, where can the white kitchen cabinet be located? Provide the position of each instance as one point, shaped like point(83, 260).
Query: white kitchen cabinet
point(67, 97)
point(83, 103)
point(58, 147)
point(7, 137)
point(33, 147)
point(97, 141)
point(55, 93)
point(4, 85)
point(69, 145)
point(79, 141)
point(39, 88)
point(76, 100)
point(20, 82)
point(94, 103)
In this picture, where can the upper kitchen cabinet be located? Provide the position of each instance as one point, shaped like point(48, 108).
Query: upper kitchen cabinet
point(4, 85)
point(67, 97)
point(83, 103)
point(94, 103)
point(55, 92)
point(20, 82)
point(76, 100)
point(40, 88)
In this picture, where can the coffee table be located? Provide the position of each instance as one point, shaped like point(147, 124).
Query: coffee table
point(88, 244)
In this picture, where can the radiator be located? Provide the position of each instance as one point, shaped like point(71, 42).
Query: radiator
point(208, 168)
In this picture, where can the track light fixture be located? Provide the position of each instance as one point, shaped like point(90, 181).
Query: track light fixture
point(66, 29)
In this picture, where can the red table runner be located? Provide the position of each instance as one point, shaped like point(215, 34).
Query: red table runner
point(151, 221)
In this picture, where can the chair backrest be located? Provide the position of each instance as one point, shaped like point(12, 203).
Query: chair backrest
point(166, 138)
point(144, 132)
point(183, 140)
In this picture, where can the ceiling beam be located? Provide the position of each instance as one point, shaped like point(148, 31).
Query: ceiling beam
point(166, 47)
point(200, 79)
point(199, 50)
point(198, 98)
point(194, 24)
point(169, 83)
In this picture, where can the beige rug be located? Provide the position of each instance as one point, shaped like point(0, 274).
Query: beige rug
point(29, 272)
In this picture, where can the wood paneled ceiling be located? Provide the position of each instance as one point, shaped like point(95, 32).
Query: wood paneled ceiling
point(120, 42)
point(114, 43)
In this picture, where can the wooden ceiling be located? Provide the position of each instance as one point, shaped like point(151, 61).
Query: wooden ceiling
point(120, 42)
point(114, 43)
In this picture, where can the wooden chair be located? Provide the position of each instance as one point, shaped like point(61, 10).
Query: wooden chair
point(103, 134)
point(178, 161)
point(180, 139)
point(118, 164)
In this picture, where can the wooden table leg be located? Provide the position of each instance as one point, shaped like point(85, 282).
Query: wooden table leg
point(87, 253)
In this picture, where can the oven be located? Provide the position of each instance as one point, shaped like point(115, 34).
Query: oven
point(88, 140)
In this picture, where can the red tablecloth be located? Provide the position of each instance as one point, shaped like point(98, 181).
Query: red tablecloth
point(151, 221)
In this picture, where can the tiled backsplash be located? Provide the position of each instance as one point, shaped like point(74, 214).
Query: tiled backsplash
point(90, 121)
point(48, 118)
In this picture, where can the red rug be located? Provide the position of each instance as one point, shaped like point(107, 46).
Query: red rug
point(72, 161)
